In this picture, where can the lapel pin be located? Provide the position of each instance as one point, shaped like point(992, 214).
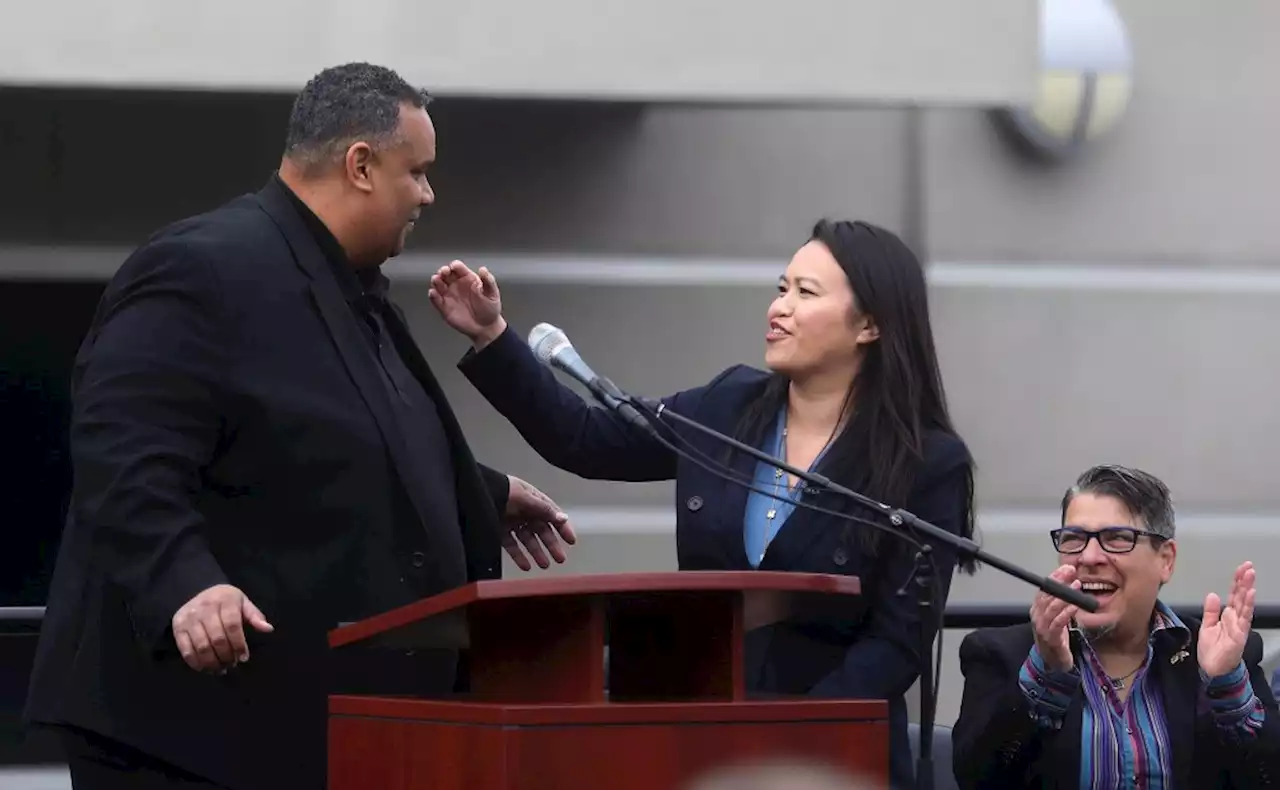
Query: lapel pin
point(1178, 656)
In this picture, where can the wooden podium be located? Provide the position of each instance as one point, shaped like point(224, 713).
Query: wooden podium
point(539, 715)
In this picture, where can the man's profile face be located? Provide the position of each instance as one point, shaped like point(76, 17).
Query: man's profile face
point(1125, 584)
point(399, 178)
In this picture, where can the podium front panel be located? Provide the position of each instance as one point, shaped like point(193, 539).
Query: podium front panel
point(389, 744)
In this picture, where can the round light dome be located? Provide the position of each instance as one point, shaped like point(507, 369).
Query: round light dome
point(1085, 78)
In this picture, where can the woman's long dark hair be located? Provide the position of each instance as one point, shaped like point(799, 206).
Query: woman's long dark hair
point(899, 392)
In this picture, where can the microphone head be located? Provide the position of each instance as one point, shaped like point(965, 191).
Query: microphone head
point(546, 340)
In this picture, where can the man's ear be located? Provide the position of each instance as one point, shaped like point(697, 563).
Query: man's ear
point(357, 164)
point(1168, 559)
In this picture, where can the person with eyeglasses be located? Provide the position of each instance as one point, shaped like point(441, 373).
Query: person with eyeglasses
point(1129, 696)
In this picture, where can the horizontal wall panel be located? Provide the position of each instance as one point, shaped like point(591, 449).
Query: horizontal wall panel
point(1218, 278)
point(548, 176)
point(706, 50)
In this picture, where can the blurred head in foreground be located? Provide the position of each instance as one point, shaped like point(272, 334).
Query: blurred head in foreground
point(779, 774)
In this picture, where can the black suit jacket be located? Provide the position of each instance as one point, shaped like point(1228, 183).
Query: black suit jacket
point(867, 647)
point(230, 426)
point(996, 744)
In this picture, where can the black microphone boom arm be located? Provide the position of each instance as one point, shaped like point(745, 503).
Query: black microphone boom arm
point(897, 516)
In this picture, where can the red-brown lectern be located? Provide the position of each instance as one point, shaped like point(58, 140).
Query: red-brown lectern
point(538, 715)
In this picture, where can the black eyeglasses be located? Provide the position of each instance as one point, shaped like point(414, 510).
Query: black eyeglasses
point(1113, 540)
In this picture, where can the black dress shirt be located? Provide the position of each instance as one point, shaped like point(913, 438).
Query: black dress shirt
point(366, 293)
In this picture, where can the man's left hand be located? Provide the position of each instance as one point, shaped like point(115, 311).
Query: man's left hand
point(1224, 631)
point(533, 526)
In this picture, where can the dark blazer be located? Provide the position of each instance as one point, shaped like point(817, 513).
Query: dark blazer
point(996, 744)
point(869, 650)
point(230, 426)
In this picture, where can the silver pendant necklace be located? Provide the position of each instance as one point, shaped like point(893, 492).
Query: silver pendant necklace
point(778, 474)
point(773, 510)
point(1118, 683)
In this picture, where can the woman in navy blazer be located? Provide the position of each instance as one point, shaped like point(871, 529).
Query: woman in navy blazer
point(853, 392)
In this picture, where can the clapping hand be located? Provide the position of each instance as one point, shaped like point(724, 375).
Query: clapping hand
point(1224, 631)
point(1050, 619)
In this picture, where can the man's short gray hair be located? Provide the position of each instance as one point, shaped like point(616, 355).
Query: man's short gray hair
point(343, 105)
point(1144, 495)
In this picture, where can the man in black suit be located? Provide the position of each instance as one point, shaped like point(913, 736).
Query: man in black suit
point(261, 453)
point(1129, 695)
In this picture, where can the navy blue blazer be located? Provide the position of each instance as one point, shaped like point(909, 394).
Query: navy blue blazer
point(868, 650)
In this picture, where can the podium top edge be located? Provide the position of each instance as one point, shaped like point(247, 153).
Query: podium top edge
point(611, 584)
point(507, 714)
point(672, 581)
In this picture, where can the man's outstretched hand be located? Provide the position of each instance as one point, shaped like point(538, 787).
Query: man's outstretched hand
point(533, 526)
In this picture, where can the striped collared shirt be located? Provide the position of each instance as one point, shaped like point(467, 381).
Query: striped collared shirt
point(1125, 745)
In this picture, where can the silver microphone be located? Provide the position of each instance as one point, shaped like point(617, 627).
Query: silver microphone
point(551, 346)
